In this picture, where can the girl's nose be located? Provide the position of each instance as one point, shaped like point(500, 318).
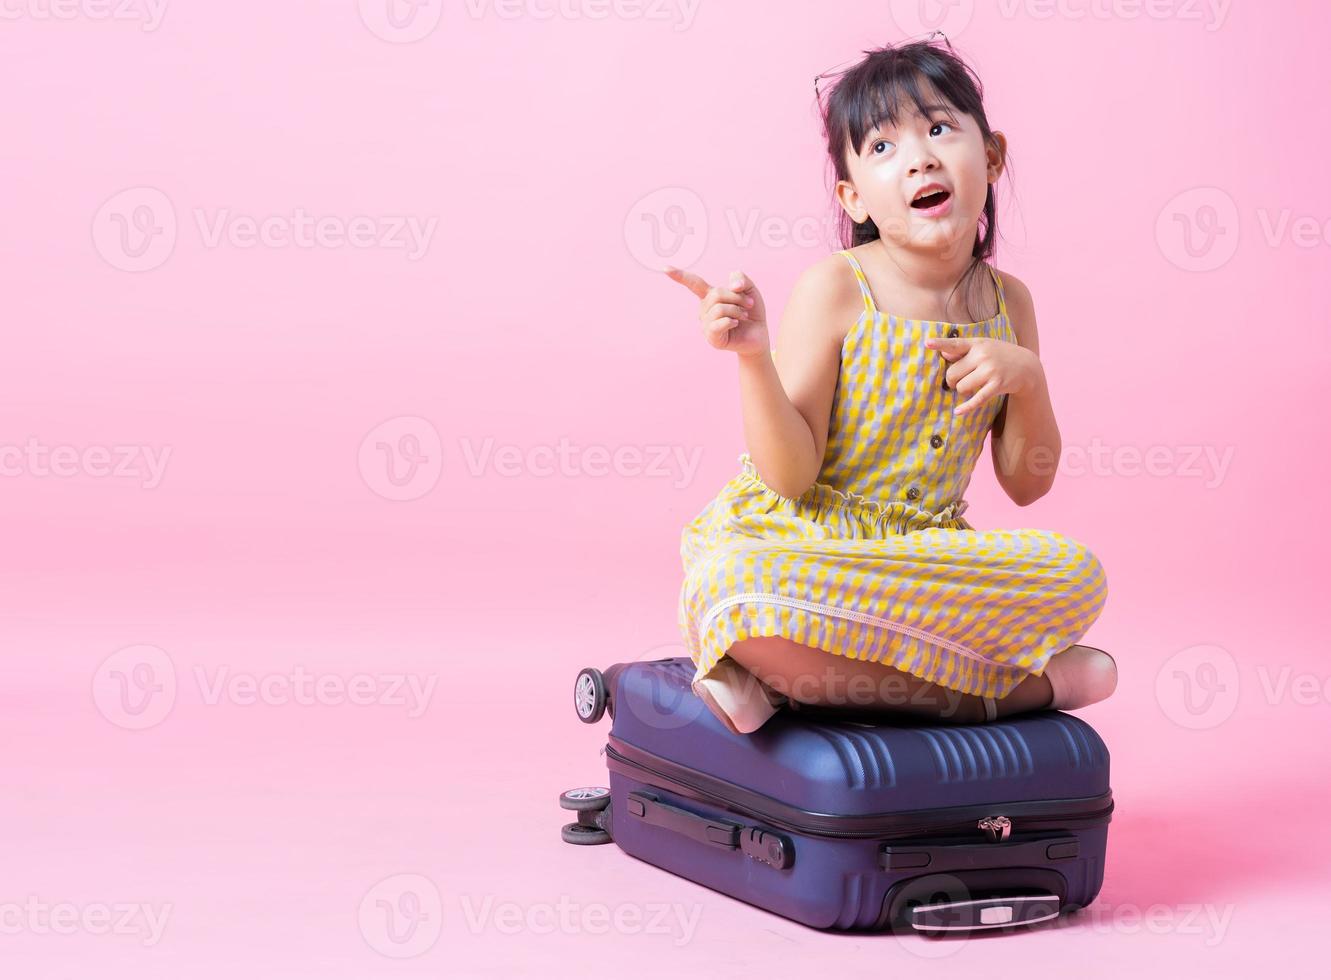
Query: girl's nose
point(925, 162)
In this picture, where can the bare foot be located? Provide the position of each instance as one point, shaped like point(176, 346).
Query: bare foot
point(1080, 675)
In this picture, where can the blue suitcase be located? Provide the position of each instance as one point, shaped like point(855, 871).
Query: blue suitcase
point(844, 822)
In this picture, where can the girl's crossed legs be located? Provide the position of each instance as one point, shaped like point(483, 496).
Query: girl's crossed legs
point(812, 676)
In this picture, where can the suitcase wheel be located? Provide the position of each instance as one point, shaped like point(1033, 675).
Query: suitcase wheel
point(580, 833)
point(592, 805)
point(585, 798)
point(590, 695)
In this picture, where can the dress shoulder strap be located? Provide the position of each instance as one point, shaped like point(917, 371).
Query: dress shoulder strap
point(868, 295)
point(998, 285)
point(864, 283)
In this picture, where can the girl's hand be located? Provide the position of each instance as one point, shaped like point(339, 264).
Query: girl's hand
point(983, 368)
point(733, 319)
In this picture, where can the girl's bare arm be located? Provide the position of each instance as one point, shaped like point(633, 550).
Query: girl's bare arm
point(787, 404)
point(1025, 443)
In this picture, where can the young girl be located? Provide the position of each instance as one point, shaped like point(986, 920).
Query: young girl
point(835, 568)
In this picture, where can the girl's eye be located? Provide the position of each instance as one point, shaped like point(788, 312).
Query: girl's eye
point(936, 125)
point(879, 143)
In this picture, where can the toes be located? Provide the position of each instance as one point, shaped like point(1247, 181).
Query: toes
point(1103, 675)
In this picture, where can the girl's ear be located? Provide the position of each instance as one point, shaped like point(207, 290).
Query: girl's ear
point(850, 201)
point(996, 156)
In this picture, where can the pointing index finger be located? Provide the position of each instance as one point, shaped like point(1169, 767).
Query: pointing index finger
point(695, 283)
point(949, 347)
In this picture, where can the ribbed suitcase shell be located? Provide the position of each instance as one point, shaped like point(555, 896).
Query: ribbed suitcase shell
point(851, 776)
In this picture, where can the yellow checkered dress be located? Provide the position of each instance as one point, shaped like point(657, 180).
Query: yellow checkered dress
point(875, 561)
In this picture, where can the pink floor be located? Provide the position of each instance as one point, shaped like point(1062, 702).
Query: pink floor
point(270, 838)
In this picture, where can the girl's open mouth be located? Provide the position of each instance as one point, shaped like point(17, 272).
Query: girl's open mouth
point(931, 201)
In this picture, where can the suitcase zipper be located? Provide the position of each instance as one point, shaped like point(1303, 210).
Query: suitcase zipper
point(996, 820)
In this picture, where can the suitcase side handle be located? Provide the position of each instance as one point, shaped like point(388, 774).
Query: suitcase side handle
point(994, 912)
point(975, 898)
point(761, 845)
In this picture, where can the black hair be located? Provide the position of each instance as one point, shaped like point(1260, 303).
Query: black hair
point(874, 91)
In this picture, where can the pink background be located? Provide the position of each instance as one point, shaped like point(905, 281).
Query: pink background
point(560, 160)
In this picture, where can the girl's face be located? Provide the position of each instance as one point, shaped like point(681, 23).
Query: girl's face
point(943, 148)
